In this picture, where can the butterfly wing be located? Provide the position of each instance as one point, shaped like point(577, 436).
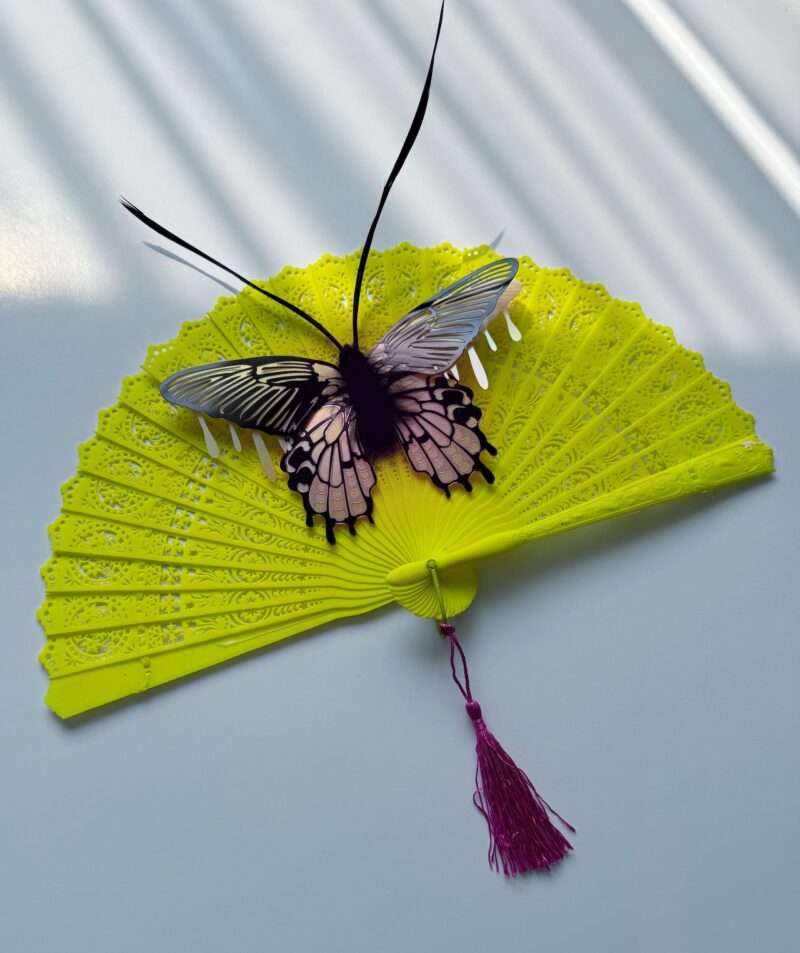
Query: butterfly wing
point(327, 466)
point(273, 394)
point(437, 426)
point(432, 337)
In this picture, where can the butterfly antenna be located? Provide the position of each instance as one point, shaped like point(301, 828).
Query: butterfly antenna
point(411, 137)
point(166, 233)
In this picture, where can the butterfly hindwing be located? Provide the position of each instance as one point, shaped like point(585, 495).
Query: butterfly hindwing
point(437, 426)
point(432, 337)
point(273, 394)
point(328, 468)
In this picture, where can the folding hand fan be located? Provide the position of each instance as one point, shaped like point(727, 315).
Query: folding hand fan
point(180, 544)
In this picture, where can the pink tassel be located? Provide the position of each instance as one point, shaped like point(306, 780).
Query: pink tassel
point(521, 836)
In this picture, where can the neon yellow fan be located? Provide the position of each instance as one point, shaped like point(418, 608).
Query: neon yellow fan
point(167, 560)
point(180, 545)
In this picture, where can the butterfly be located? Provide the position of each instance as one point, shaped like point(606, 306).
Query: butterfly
point(335, 420)
point(338, 418)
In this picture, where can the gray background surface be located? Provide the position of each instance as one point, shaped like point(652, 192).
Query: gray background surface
point(317, 797)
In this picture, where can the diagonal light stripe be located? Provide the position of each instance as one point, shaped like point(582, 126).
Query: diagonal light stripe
point(764, 146)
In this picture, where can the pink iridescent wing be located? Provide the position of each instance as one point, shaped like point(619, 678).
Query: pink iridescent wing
point(437, 426)
point(432, 337)
point(327, 467)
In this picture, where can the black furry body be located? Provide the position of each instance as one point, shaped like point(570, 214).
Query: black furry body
point(368, 391)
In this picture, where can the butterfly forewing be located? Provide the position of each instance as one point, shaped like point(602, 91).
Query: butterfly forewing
point(432, 337)
point(273, 394)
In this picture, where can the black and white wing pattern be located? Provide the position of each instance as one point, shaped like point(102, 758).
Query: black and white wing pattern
point(437, 426)
point(273, 394)
point(328, 468)
point(432, 337)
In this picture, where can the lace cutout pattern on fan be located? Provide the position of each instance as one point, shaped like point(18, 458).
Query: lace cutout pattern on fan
point(166, 561)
